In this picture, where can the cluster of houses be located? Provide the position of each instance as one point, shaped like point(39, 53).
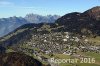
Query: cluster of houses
point(58, 42)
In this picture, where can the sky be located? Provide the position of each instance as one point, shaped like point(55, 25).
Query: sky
point(9, 8)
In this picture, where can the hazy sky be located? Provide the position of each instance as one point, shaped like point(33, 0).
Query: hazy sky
point(43, 7)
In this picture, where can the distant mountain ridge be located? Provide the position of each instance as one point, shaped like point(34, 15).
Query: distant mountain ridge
point(35, 18)
point(9, 24)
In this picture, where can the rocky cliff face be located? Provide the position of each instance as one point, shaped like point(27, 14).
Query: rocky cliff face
point(35, 18)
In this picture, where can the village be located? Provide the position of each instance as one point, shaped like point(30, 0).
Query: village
point(57, 43)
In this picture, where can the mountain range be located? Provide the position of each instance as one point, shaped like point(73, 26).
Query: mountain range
point(9, 24)
point(35, 18)
point(86, 23)
point(68, 34)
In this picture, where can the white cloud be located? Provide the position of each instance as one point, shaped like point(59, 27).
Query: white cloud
point(6, 3)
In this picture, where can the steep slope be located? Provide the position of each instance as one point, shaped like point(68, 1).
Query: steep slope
point(9, 24)
point(21, 33)
point(93, 13)
point(84, 23)
point(18, 59)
